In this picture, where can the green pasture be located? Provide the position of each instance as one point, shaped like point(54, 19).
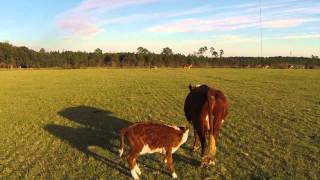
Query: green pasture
point(64, 124)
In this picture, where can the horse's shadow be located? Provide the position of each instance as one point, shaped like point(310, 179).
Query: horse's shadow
point(98, 128)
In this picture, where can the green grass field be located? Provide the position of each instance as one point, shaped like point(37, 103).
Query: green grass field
point(58, 124)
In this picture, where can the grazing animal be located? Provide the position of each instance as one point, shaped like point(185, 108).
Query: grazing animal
point(153, 67)
point(146, 138)
point(187, 66)
point(308, 67)
point(206, 109)
point(266, 67)
point(290, 66)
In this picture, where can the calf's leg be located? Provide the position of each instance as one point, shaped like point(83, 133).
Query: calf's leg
point(132, 161)
point(170, 163)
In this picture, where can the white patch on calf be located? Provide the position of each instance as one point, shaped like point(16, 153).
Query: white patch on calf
point(134, 174)
point(174, 127)
point(147, 150)
point(174, 175)
point(183, 140)
point(120, 152)
point(137, 169)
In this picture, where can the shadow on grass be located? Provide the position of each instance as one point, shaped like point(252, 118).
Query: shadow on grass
point(101, 129)
point(187, 160)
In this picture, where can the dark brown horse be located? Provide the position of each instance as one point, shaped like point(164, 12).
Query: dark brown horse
point(206, 108)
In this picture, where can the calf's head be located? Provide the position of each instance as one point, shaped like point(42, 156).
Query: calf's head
point(185, 131)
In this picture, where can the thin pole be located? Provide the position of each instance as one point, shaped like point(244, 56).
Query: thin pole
point(261, 35)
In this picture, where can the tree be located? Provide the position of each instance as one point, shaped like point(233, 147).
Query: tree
point(1, 55)
point(221, 53)
point(98, 51)
point(142, 50)
point(212, 49)
point(203, 50)
point(167, 51)
point(213, 52)
point(13, 56)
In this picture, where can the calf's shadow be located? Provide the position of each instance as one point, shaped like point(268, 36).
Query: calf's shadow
point(98, 128)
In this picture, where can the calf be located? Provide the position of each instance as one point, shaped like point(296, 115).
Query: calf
point(144, 138)
point(187, 66)
point(290, 66)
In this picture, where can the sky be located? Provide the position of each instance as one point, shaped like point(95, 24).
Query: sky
point(287, 27)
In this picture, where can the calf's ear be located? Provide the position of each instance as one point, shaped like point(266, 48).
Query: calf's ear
point(182, 128)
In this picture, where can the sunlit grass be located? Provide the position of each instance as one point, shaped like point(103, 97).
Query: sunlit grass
point(64, 123)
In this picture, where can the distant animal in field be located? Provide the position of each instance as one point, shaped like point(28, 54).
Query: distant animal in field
point(308, 67)
point(187, 66)
point(153, 67)
point(290, 66)
point(146, 138)
point(206, 109)
point(266, 67)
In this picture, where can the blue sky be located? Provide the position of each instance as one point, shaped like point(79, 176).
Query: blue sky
point(288, 26)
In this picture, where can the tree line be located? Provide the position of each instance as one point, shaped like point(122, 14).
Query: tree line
point(23, 57)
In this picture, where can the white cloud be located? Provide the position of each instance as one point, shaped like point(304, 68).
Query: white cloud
point(297, 36)
point(206, 25)
point(83, 19)
point(237, 38)
point(275, 15)
point(286, 23)
point(225, 24)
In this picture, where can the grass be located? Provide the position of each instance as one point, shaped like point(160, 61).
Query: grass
point(57, 124)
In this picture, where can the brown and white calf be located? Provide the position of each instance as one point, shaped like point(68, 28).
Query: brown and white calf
point(187, 66)
point(147, 138)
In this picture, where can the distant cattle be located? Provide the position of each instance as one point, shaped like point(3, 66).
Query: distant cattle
point(266, 67)
point(308, 67)
point(187, 66)
point(144, 138)
point(4, 65)
point(153, 67)
point(206, 109)
point(290, 66)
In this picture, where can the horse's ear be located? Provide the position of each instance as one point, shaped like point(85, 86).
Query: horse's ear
point(190, 87)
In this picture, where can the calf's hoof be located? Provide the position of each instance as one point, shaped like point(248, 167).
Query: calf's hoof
point(134, 174)
point(174, 175)
point(137, 169)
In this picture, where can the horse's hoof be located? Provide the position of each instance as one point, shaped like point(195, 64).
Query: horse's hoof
point(207, 162)
point(196, 149)
point(211, 163)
